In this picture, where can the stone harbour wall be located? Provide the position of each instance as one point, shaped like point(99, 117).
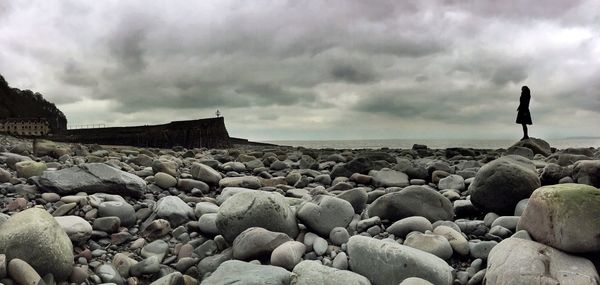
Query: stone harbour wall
point(209, 132)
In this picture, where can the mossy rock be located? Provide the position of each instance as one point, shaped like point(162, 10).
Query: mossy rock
point(564, 216)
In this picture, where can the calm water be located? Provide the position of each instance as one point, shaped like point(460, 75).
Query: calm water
point(435, 144)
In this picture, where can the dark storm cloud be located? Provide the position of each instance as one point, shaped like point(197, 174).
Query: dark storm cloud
point(323, 62)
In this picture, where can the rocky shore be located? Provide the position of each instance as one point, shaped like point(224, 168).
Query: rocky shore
point(90, 214)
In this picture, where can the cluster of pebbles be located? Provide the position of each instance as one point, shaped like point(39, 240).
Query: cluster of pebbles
point(90, 214)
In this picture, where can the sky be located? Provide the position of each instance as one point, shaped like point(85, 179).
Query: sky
point(313, 70)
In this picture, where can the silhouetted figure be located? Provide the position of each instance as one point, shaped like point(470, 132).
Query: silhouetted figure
point(523, 115)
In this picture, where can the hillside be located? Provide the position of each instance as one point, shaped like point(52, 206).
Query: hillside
point(16, 103)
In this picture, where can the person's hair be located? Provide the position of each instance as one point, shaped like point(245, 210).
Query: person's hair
point(525, 90)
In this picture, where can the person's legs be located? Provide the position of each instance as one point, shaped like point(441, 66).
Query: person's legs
point(525, 136)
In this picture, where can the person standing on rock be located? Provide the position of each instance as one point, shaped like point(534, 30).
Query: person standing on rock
point(523, 115)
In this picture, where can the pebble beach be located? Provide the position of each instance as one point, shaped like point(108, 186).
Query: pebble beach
point(91, 214)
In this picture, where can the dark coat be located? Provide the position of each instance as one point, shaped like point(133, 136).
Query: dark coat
point(523, 115)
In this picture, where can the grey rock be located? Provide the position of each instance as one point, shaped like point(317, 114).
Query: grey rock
point(404, 226)
point(390, 263)
point(78, 229)
point(107, 224)
point(340, 261)
point(21, 272)
point(205, 208)
point(522, 262)
point(389, 178)
point(357, 197)
point(175, 278)
point(121, 209)
point(313, 272)
point(288, 254)
point(188, 185)
point(156, 248)
point(174, 210)
point(251, 182)
point(452, 181)
point(148, 266)
point(256, 209)
point(502, 183)
point(481, 249)
point(164, 180)
point(256, 242)
point(520, 208)
point(109, 274)
point(538, 146)
point(208, 224)
point(91, 178)
point(519, 150)
point(319, 245)
point(415, 281)
point(412, 201)
point(205, 173)
point(325, 213)
point(244, 273)
point(587, 172)
point(434, 244)
point(458, 242)
point(211, 263)
point(339, 235)
point(508, 222)
point(35, 237)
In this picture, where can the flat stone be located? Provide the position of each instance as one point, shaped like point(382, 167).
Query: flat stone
point(91, 178)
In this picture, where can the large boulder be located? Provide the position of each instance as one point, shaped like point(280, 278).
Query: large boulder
point(587, 172)
point(502, 183)
point(245, 273)
point(256, 209)
point(91, 178)
point(412, 201)
point(538, 146)
point(522, 262)
point(325, 213)
point(36, 238)
point(310, 272)
point(360, 165)
point(564, 216)
point(49, 148)
point(388, 263)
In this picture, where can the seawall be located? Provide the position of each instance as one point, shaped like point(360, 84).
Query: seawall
point(209, 133)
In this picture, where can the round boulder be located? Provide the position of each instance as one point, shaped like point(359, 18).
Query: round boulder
point(412, 201)
point(255, 209)
point(502, 183)
point(36, 238)
point(564, 216)
point(325, 213)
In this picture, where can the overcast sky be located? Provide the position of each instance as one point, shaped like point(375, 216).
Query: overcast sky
point(313, 69)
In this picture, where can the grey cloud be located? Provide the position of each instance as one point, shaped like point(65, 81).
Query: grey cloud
point(351, 74)
point(74, 74)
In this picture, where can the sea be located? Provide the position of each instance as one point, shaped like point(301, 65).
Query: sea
point(431, 143)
